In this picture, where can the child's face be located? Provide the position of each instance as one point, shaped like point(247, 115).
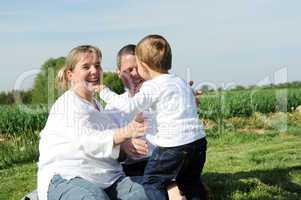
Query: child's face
point(86, 73)
point(142, 69)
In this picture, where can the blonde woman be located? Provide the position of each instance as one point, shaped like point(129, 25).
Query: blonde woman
point(79, 144)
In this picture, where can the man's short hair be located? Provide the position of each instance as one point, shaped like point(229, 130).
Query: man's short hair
point(126, 50)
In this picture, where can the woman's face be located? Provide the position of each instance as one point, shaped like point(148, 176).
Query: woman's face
point(86, 73)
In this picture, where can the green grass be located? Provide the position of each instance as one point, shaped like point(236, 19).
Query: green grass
point(17, 181)
point(252, 166)
point(241, 164)
point(18, 149)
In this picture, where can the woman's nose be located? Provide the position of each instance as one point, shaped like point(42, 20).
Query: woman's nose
point(94, 69)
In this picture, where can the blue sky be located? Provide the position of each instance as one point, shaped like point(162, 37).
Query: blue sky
point(217, 42)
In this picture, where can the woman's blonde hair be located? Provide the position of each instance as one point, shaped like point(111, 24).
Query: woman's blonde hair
point(71, 61)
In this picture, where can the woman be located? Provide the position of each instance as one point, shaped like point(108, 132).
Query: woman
point(79, 145)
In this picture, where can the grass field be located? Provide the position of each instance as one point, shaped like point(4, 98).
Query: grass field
point(246, 165)
point(241, 164)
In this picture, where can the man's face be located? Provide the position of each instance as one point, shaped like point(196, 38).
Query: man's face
point(128, 72)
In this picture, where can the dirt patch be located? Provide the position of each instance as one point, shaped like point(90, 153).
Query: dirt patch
point(286, 136)
point(253, 130)
point(298, 109)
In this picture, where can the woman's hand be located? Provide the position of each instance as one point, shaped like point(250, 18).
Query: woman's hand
point(136, 128)
point(98, 88)
point(132, 130)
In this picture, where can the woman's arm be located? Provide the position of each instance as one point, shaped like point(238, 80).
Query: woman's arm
point(132, 130)
point(73, 126)
point(103, 143)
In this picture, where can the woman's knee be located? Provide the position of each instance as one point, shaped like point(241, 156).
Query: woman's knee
point(75, 189)
point(129, 190)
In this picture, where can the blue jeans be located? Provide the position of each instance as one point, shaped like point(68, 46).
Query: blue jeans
point(80, 189)
point(182, 164)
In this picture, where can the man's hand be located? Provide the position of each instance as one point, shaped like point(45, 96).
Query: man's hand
point(135, 147)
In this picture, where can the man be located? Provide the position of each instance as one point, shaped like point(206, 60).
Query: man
point(134, 151)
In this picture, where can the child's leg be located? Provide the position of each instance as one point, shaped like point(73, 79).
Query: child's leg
point(189, 179)
point(174, 192)
point(161, 170)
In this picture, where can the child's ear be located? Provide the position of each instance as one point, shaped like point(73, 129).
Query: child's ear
point(144, 65)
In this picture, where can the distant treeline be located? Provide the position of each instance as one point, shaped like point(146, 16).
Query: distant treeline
point(45, 90)
point(293, 84)
point(13, 97)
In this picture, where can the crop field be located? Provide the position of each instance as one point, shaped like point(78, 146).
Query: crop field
point(244, 103)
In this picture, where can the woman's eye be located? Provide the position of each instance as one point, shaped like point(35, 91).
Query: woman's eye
point(86, 66)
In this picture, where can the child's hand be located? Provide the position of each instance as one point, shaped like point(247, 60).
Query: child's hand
point(136, 129)
point(98, 88)
point(174, 192)
point(196, 94)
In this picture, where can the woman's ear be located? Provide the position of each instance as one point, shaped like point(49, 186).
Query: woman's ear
point(69, 74)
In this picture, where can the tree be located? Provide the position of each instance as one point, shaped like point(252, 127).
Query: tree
point(15, 97)
point(113, 82)
point(239, 87)
point(26, 96)
point(45, 89)
point(6, 98)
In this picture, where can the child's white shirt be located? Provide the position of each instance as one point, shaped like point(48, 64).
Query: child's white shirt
point(172, 103)
point(122, 119)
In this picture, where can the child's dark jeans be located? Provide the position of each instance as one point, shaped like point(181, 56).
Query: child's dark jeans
point(182, 164)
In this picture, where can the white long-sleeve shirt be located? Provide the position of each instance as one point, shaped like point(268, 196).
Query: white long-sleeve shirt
point(77, 141)
point(124, 118)
point(173, 104)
